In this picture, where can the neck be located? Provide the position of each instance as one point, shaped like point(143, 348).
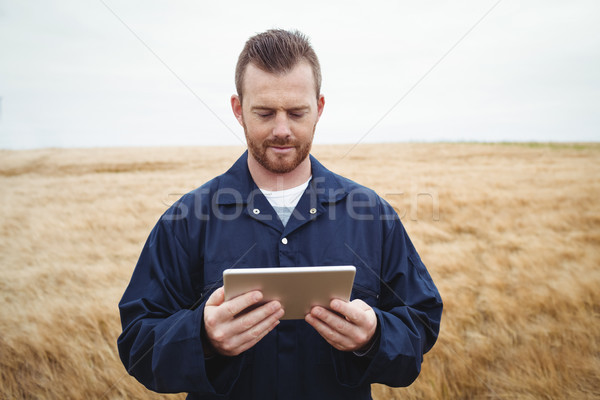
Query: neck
point(271, 181)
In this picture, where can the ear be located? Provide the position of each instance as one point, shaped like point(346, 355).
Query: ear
point(236, 106)
point(320, 106)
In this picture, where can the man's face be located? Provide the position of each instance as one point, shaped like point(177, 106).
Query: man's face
point(279, 114)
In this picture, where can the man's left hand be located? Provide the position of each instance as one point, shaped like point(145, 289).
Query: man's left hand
point(348, 326)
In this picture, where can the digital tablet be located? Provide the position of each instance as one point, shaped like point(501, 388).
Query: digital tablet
point(297, 288)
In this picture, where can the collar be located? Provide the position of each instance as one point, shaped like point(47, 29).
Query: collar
point(236, 185)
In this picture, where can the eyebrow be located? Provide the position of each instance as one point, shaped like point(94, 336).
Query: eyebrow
point(292, 109)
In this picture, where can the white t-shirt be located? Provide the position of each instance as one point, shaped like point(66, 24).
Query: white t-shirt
point(284, 201)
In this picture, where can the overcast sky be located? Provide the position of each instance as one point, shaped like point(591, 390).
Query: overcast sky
point(81, 73)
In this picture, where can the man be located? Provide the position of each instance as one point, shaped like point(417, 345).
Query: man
point(277, 206)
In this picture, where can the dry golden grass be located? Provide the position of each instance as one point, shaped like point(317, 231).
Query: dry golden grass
point(510, 234)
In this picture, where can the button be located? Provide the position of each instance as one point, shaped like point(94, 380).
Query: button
point(284, 240)
point(313, 211)
point(256, 211)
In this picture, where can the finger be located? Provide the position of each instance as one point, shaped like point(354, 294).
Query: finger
point(249, 320)
point(238, 304)
point(358, 313)
point(216, 298)
point(249, 344)
point(235, 335)
point(255, 333)
point(336, 327)
point(354, 311)
point(362, 318)
point(337, 322)
point(361, 304)
point(330, 335)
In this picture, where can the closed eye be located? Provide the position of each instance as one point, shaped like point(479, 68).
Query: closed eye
point(264, 114)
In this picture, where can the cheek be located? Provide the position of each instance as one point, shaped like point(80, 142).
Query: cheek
point(256, 130)
point(306, 129)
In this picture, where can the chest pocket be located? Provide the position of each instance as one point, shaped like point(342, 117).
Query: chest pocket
point(366, 294)
point(367, 282)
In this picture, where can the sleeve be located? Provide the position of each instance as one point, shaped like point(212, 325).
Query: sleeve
point(161, 316)
point(409, 312)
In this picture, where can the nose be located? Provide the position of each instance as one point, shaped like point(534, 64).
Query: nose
point(282, 125)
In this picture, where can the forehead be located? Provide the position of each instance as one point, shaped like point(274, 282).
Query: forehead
point(295, 85)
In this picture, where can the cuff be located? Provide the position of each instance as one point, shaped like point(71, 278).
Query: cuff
point(372, 349)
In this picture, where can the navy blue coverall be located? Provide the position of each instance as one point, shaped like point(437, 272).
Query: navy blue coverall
point(228, 223)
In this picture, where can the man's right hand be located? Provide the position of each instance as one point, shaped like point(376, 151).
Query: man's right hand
point(231, 334)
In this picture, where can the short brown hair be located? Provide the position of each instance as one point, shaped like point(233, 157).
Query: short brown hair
point(277, 51)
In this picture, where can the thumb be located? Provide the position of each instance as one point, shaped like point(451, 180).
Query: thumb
point(361, 304)
point(216, 298)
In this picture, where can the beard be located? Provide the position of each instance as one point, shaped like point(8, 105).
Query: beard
point(277, 163)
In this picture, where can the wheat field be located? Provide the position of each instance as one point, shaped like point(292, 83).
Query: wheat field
point(510, 234)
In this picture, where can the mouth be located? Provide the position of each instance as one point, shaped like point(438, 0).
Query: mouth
point(282, 149)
